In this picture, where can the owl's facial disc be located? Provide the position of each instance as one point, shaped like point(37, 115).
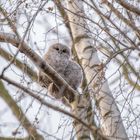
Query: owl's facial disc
point(61, 49)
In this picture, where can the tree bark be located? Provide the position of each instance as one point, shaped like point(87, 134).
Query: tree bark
point(111, 122)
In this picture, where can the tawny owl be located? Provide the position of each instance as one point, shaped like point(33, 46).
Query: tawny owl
point(58, 56)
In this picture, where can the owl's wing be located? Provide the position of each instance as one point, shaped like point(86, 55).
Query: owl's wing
point(73, 74)
point(43, 79)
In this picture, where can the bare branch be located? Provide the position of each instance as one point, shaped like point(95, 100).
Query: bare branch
point(128, 6)
point(125, 20)
point(18, 112)
point(22, 66)
point(64, 15)
point(56, 108)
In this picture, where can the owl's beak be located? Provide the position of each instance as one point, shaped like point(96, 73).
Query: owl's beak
point(60, 51)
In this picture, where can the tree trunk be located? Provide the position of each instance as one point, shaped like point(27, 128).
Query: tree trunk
point(111, 122)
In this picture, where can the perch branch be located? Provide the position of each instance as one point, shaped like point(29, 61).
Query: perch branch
point(22, 66)
point(41, 100)
point(18, 112)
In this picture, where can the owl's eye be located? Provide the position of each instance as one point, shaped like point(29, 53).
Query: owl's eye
point(64, 51)
point(57, 49)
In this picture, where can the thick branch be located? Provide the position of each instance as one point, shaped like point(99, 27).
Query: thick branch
point(18, 112)
point(42, 101)
point(22, 66)
point(64, 15)
point(128, 6)
point(26, 138)
point(10, 138)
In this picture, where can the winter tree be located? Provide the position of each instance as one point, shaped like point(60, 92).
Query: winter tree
point(104, 38)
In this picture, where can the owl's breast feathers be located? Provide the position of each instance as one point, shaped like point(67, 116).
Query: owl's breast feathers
point(58, 62)
point(73, 74)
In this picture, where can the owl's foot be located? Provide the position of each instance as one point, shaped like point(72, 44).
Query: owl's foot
point(54, 91)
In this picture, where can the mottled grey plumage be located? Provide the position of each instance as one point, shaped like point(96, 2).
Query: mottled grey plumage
point(58, 56)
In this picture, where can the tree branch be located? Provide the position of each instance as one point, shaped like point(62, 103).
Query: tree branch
point(18, 112)
point(64, 15)
point(125, 20)
point(8, 138)
point(22, 66)
point(56, 108)
point(128, 6)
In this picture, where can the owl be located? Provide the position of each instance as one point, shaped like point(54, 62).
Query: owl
point(58, 56)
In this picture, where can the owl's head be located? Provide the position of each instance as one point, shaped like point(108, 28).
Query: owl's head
point(60, 49)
